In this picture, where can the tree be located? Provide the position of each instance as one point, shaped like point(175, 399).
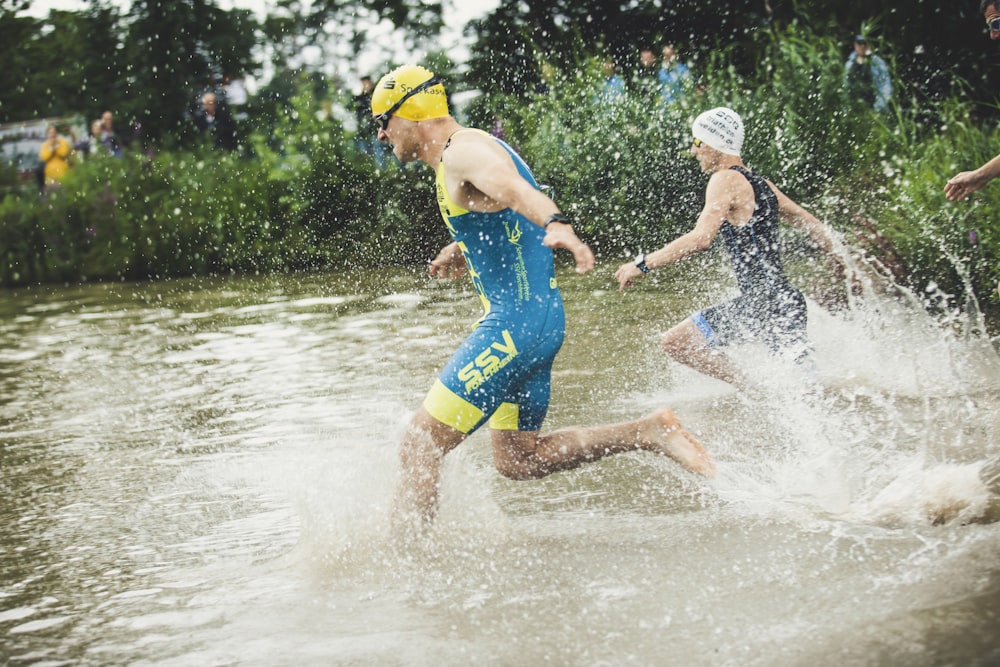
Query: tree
point(176, 49)
point(932, 43)
point(339, 29)
point(59, 65)
point(147, 67)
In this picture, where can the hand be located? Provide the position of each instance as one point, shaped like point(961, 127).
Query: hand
point(449, 263)
point(561, 235)
point(962, 185)
point(844, 279)
point(625, 274)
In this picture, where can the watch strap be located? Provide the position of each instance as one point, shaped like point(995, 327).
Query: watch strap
point(640, 263)
point(557, 217)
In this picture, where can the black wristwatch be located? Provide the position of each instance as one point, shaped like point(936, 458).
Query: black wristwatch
point(640, 263)
point(557, 217)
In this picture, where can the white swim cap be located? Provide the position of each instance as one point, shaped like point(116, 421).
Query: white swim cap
point(721, 129)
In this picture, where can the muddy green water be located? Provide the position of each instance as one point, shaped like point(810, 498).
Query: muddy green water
point(199, 473)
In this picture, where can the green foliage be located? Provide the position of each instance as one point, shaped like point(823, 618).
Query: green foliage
point(313, 202)
point(619, 167)
point(177, 214)
point(624, 171)
point(20, 241)
point(935, 42)
point(349, 211)
point(146, 67)
point(949, 244)
point(175, 49)
point(303, 197)
point(57, 66)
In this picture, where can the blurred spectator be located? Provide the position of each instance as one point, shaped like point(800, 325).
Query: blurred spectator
point(867, 76)
point(54, 153)
point(366, 136)
point(98, 142)
point(645, 81)
point(108, 135)
point(613, 88)
point(91, 144)
point(673, 75)
point(215, 123)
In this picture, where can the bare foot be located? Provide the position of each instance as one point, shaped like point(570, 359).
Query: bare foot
point(665, 434)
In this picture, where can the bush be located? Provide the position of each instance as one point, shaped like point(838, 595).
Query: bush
point(305, 198)
point(951, 245)
point(624, 170)
point(314, 203)
point(21, 244)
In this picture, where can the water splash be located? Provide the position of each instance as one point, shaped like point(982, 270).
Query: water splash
point(937, 494)
point(343, 491)
point(896, 427)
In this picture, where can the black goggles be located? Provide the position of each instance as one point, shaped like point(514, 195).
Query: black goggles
point(383, 118)
point(994, 24)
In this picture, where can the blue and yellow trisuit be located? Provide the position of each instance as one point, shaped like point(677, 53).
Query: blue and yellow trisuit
point(502, 371)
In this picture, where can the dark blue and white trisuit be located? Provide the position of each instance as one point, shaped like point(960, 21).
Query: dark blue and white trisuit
point(769, 309)
point(502, 371)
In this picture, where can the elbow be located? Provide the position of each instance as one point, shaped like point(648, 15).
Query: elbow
point(699, 243)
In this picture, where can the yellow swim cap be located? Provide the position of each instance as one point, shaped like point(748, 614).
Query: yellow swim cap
point(432, 102)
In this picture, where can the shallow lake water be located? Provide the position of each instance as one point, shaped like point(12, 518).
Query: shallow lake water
point(199, 472)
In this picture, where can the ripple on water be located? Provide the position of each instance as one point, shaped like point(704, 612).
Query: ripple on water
point(38, 625)
point(211, 483)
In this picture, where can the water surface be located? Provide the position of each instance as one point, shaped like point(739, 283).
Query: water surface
point(199, 473)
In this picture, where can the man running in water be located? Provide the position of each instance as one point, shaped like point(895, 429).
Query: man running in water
point(744, 209)
point(504, 232)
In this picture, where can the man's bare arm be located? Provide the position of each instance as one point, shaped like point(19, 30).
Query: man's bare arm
point(484, 178)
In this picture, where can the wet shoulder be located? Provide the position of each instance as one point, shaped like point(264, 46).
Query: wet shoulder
point(730, 181)
point(470, 141)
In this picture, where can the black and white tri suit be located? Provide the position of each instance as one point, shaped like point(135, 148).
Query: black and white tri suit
point(769, 309)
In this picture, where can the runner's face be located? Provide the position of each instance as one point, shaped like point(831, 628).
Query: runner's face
point(383, 133)
point(401, 135)
point(706, 156)
point(992, 12)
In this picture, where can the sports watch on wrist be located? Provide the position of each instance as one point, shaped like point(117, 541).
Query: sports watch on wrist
point(640, 263)
point(557, 217)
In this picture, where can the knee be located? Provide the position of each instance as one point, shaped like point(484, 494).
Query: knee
point(519, 466)
point(420, 448)
point(518, 471)
point(517, 455)
point(673, 345)
point(682, 341)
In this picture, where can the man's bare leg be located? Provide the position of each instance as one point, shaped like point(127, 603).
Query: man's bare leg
point(527, 455)
point(686, 344)
point(421, 455)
